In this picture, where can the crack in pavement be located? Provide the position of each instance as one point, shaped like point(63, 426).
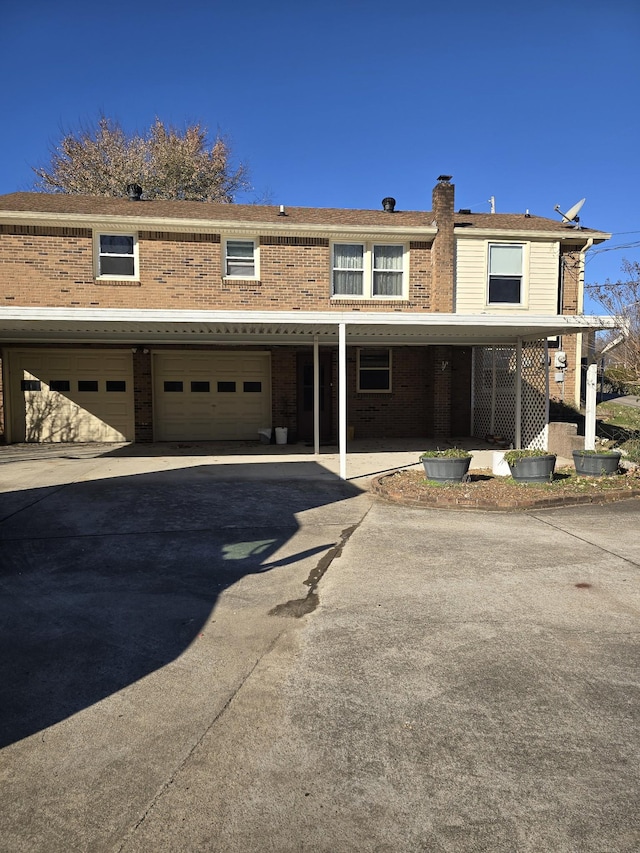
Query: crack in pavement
point(573, 535)
point(298, 607)
point(166, 785)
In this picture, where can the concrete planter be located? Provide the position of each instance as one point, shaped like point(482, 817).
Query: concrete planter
point(446, 469)
point(533, 469)
point(596, 464)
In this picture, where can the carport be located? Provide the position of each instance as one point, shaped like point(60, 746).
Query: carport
point(144, 329)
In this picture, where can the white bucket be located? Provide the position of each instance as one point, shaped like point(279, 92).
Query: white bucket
point(281, 435)
point(500, 467)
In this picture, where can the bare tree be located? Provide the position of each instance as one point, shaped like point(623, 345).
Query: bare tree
point(622, 298)
point(167, 163)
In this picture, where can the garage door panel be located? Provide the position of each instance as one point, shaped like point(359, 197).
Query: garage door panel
point(59, 410)
point(222, 409)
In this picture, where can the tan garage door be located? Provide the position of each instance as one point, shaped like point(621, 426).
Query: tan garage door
point(67, 395)
point(205, 396)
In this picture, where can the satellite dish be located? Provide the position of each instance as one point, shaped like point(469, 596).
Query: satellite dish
point(572, 214)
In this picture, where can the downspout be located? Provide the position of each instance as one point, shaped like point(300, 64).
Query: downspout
point(583, 252)
point(578, 374)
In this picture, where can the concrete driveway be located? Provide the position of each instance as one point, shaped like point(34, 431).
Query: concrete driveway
point(213, 657)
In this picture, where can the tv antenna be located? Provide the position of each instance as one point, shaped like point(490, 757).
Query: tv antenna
point(572, 214)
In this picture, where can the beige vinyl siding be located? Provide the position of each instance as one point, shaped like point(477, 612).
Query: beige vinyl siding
point(471, 276)
point(543, 278)
point(540, 277)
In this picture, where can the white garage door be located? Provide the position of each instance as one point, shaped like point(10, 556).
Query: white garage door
point(71, 395)
point(210, 396)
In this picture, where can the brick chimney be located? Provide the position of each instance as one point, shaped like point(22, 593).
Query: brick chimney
point(443, 248)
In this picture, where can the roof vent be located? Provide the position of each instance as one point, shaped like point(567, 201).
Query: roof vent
point(465, 210)
point(389, 204)
point(134, 192)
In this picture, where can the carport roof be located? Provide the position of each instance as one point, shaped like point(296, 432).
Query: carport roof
point(155, 327)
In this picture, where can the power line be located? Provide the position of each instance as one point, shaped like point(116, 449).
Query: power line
point(595, 252)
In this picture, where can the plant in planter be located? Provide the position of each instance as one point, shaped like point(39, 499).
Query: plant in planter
point(596, 463)
point(531, 466)
point(446, 466)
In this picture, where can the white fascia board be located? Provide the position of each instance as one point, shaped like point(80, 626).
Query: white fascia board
point(523, 234)
point(215, 226)
point(302, 318)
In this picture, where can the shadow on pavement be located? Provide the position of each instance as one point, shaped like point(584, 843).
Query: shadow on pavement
point(106, 581)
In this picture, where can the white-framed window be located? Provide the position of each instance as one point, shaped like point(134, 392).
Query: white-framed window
point(369, 270)
point(116, 255)
point(374, 370)
point(506, 263)
point(241, 258)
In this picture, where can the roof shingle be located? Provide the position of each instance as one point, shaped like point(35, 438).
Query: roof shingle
point(83, 206)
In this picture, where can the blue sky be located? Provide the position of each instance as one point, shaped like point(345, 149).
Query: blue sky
point(338, 104)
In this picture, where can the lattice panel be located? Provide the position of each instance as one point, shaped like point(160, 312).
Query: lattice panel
point(495, 387)
point(535, 411)
point(495, 393)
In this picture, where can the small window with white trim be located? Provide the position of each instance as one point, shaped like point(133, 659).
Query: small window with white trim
point(241, 259)
point(505, 274)
point(116, 256)
point(374, 370)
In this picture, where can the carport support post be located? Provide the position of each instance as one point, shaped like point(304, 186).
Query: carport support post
point(316, 396)
point(518, 412)
point(590, 408)
point(342, 399)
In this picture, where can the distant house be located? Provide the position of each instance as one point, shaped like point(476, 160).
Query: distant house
point(134, 320)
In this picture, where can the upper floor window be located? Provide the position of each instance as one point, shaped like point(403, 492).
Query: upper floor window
point(369, 270)
point(387, 270)
point(348, 269)
point(505, 274)
point(117, 255)
point(241, 259)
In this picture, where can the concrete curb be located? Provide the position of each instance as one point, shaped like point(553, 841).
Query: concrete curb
point(448, 501)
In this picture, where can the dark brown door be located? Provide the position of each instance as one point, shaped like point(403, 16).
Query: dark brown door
point(461, 391)
point(305, 396)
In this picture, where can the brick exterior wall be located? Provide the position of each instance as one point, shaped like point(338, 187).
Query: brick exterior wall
point(2, 427)
point(568, 391)
point(406, 412)
point(284, 386)
point(53, 267)
point(143, 395)
point(442, 371)
point(443, 250)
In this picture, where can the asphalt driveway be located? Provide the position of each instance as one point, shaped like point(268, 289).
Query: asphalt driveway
point(203, 658)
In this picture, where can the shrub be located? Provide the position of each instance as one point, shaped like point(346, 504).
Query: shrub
point(512, 456)
point(447, 453)
point(632, 449)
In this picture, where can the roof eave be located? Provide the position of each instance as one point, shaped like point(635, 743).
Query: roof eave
point(211, 226)
point(574, 235)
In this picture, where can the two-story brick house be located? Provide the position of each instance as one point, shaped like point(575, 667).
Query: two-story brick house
point(126, 319)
